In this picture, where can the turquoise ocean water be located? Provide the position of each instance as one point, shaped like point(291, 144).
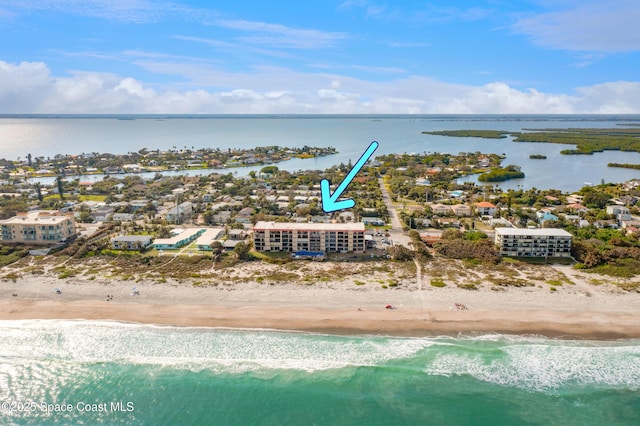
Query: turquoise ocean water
point(75, 372)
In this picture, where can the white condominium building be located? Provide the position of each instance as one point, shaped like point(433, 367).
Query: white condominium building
point(314, 237)
point(38, 227)
point(544, 242)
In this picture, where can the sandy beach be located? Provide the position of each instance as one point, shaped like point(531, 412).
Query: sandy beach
point(580, 310)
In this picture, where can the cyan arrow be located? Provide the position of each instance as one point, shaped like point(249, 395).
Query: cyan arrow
point(330, 202)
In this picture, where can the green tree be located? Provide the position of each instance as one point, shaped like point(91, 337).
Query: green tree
point(216, 249)
point(452, 234)
point(241, 250)
point(475, 235)
point(272, 170)
point(400, 253)
point(85, 216)
point(596, 199)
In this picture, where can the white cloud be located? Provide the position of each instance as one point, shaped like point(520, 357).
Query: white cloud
point(135, 11)
point(610, 26)
point(29, 87)
point(282, 35)
point(622, 97)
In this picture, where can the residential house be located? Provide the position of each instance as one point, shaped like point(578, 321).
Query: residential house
point(178, 213)
point(621, 213)
point(208, 197)
point(629, 200)
point(122, 217)
point(180, 239)
point(321, 219)
point(576, 208)
point(130, 242)
point(237, 234)
point(440, 209)
point(500, 222)
point(431, 236)
point(461, 210)
point(87, 186)
point(575, 199)
point(422, 222)
point(136, 205)
point(485, 208)
point(244, 215)
point(101, 213)
point(369, 211)
point(207, 238)
point(546, 216)
point(222, 216)
point(609, 223)
point(346, 216)
point(372, 221)
point(447, 222)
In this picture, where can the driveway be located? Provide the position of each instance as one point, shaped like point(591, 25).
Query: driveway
point(397, 234)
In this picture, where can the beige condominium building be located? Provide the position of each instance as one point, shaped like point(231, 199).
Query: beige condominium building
point(38, 227)
point(544, 242)
point(314, 237)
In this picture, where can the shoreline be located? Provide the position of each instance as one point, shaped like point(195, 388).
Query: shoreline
point(352, 306)
point(397, 322)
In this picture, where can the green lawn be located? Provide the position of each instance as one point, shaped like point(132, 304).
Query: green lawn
point(97, 198)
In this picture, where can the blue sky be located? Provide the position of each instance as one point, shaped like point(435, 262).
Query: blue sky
point(343, 56)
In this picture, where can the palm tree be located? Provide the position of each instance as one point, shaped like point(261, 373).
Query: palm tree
point(38, 191)
point(60, 187)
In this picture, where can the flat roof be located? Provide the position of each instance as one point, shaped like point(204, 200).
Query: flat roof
point(533, 232)
point(307, 226)
point(131, 238)
point(36, 217)
point(188, 233)
point(209, 236)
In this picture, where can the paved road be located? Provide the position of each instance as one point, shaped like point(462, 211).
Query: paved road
point(397, 234)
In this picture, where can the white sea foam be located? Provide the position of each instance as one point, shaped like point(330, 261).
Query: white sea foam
point(548, 365)
point(534, 363)
point(197, 348)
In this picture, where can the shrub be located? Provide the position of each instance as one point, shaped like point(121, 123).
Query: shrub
point(468, 286)
point(438, 282)
point(464, 249)
point(400, 253)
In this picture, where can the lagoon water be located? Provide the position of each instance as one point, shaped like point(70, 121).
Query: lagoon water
point(50, 135)
point(200, 376)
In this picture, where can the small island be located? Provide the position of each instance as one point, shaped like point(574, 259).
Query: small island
point(586, 140)
point(624, 165)
point(485, 134)
point(501, 174)
point(538, 157)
